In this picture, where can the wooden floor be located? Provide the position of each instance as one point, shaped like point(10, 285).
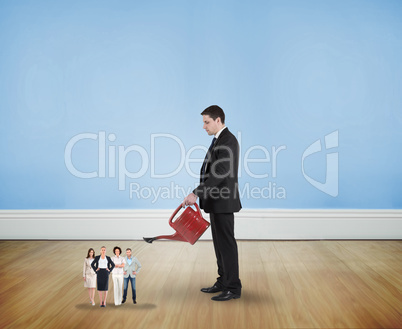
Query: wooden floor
point(286, 284)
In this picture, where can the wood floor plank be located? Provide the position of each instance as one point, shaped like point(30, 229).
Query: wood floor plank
point(317, 299)
point(286, 284)
point(378, 297)
point(324, 271)
point(385, 263)
point(289, 309)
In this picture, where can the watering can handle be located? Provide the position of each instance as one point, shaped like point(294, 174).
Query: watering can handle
point(178, 209)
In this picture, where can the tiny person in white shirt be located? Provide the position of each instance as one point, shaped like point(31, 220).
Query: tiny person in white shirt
point(117, 275)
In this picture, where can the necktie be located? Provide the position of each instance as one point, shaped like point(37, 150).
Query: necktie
point(206, 159)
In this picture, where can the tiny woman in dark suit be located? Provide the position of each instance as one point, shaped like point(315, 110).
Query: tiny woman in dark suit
point(102, 265)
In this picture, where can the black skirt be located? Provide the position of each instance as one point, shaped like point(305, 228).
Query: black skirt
point(103, 279)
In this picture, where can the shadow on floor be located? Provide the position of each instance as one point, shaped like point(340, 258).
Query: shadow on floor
point(131, 306)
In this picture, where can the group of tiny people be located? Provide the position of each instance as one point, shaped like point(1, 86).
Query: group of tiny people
point(123, 269)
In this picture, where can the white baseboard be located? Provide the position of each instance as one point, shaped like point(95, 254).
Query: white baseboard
point(269, 224)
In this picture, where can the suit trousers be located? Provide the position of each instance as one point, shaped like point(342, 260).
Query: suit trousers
point(118, 288)
point(222, 226)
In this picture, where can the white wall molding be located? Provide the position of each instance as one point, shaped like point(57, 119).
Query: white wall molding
point(281, 224)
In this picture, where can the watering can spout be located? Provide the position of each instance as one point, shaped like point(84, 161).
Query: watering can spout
point(149, 240)
point(176, 236)
point(189, 226)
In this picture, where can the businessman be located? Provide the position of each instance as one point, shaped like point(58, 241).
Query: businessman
point(219, 196)
point(131, 268)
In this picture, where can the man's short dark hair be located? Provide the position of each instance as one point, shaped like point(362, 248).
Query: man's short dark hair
point(214, 111)
point(128, 249)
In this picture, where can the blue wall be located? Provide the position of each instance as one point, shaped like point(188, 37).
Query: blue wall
point(99, 99)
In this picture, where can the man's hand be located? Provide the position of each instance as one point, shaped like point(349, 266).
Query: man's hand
point(189, 200)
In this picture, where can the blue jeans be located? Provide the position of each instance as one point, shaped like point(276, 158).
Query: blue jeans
point(132, 287)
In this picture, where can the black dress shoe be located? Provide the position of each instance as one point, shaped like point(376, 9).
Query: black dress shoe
point(212, 289)
point(134, 301)
point(123, 301)
point(226, 295)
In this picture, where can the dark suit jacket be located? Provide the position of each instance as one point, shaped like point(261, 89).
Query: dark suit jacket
point(95, 263)
point(219, 192)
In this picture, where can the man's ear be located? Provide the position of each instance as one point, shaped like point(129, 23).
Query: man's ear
point(218, 120)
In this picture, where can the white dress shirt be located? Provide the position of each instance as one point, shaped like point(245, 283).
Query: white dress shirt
point(118, 261)
point(102, 262)
point(219, 132)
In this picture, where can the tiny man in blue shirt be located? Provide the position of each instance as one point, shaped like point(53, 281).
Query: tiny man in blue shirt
point(131, 268)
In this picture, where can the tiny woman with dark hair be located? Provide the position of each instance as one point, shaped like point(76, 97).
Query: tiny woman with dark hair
point(89, 275)
point(102, 265)
point(117, 275)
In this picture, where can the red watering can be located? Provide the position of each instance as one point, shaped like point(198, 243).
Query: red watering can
point(189, 226)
